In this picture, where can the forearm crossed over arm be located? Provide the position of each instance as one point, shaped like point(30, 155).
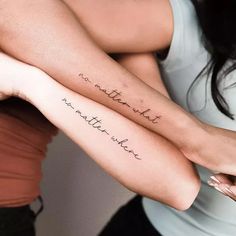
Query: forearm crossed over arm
point(47, 35)
point(141, 160)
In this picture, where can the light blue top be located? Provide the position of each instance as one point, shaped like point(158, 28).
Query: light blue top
point(212, 213)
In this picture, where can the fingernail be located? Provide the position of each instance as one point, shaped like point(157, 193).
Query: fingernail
point(212, 183)
point(227, 189)
point(220, 190)
point(215, 179)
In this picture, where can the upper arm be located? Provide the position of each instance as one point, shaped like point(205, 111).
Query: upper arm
point(127, 25)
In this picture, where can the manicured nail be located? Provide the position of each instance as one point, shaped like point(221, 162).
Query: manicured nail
point(230, 193)
point(212, 183)
point(215, 179)
point(220, 190)
point(227, 189)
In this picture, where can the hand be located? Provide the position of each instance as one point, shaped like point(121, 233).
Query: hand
point(226, 184)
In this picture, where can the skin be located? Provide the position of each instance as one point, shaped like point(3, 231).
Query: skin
point(156, 38)
point(158, 159)
point(40, 46)
point(133, 26)
point(78, 54)
point(226, 184)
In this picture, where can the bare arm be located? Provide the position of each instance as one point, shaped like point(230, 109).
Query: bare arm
point(126, 26)
point(141, 160)
point(46, 34)
point(50, 37)
point(144, 66)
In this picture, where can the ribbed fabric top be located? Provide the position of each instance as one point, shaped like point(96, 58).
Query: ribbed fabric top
point(24, 135)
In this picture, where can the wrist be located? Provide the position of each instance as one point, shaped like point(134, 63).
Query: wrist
point(194, 135)
point(31, 85)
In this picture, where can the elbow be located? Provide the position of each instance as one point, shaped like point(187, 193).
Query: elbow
point(178, 191)
point(184, 197)
point(180, 196)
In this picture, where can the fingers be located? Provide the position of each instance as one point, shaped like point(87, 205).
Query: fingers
point(215, 182)
point(224, 179)
point(226, 184)
point(228, 190)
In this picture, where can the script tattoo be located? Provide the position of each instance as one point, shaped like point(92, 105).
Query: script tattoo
point(96, 123)
point(116, 96)
point(144, 114)
point(124, 146)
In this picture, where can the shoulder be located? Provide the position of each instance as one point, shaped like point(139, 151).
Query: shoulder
point(126, 25)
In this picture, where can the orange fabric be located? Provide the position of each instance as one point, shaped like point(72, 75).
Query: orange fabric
point(24, 135)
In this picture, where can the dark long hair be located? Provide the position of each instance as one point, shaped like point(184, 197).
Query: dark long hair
point(217, 19)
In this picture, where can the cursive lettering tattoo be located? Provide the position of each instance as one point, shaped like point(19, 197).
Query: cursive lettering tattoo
point(116, 96)
point(122, 143)
point(96, 123)
point(68, 103)
point(86, 79)
point(145, 115)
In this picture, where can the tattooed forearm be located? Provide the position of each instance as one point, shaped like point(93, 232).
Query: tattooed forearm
point(96, 123)
point(116, 95)
point(144, 113)
point(123, 145)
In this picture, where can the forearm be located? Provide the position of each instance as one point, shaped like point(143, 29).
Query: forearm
point(61, 47)
point(144, 66)
point(141, 160)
